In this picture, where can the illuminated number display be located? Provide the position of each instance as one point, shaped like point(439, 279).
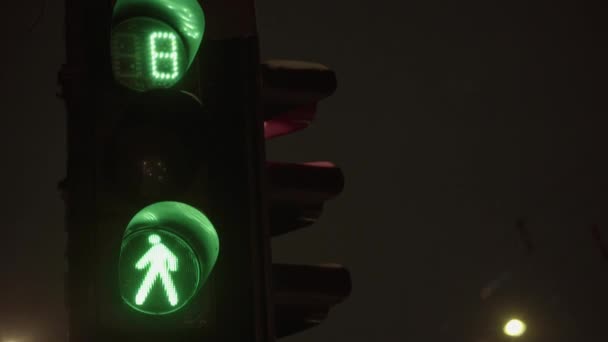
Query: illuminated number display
point(164, 63)
point(147, 54)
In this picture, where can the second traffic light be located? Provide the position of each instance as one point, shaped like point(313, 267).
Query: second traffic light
point(302, 294)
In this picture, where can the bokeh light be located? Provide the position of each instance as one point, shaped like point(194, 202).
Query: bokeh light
point(514, 328)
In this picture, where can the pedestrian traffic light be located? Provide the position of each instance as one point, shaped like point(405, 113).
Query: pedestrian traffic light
point(164, 209)
point(167, 206)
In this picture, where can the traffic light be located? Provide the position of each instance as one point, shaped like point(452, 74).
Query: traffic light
point(164, 203)
point(302, 294)
point(170, 202)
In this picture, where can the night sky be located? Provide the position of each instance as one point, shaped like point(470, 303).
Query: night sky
point(452, 121)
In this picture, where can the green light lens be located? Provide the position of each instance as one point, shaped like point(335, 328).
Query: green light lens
point(147, 54)
point(167, 253)
point(159, 272)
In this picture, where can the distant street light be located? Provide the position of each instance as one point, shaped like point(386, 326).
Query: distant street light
point(514, 328)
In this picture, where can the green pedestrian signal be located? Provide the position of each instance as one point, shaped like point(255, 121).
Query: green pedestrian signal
point(159, 261)
point(168, 251)
point(159, 272)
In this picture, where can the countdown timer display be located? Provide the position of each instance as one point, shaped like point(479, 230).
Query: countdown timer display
point(147, 54)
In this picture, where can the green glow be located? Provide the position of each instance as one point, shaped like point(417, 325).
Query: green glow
point(168, 252)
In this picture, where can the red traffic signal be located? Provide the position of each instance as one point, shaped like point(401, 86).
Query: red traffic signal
point(302, 294)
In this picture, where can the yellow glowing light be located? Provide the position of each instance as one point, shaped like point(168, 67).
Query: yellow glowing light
point(514, 328)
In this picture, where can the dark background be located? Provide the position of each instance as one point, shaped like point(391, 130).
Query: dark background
point(452, 120)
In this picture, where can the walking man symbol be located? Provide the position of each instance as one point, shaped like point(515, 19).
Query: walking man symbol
point(160, 261)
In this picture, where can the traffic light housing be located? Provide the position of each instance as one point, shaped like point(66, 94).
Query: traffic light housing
point(302, 294)
point(170, 202)
point(165, 158)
